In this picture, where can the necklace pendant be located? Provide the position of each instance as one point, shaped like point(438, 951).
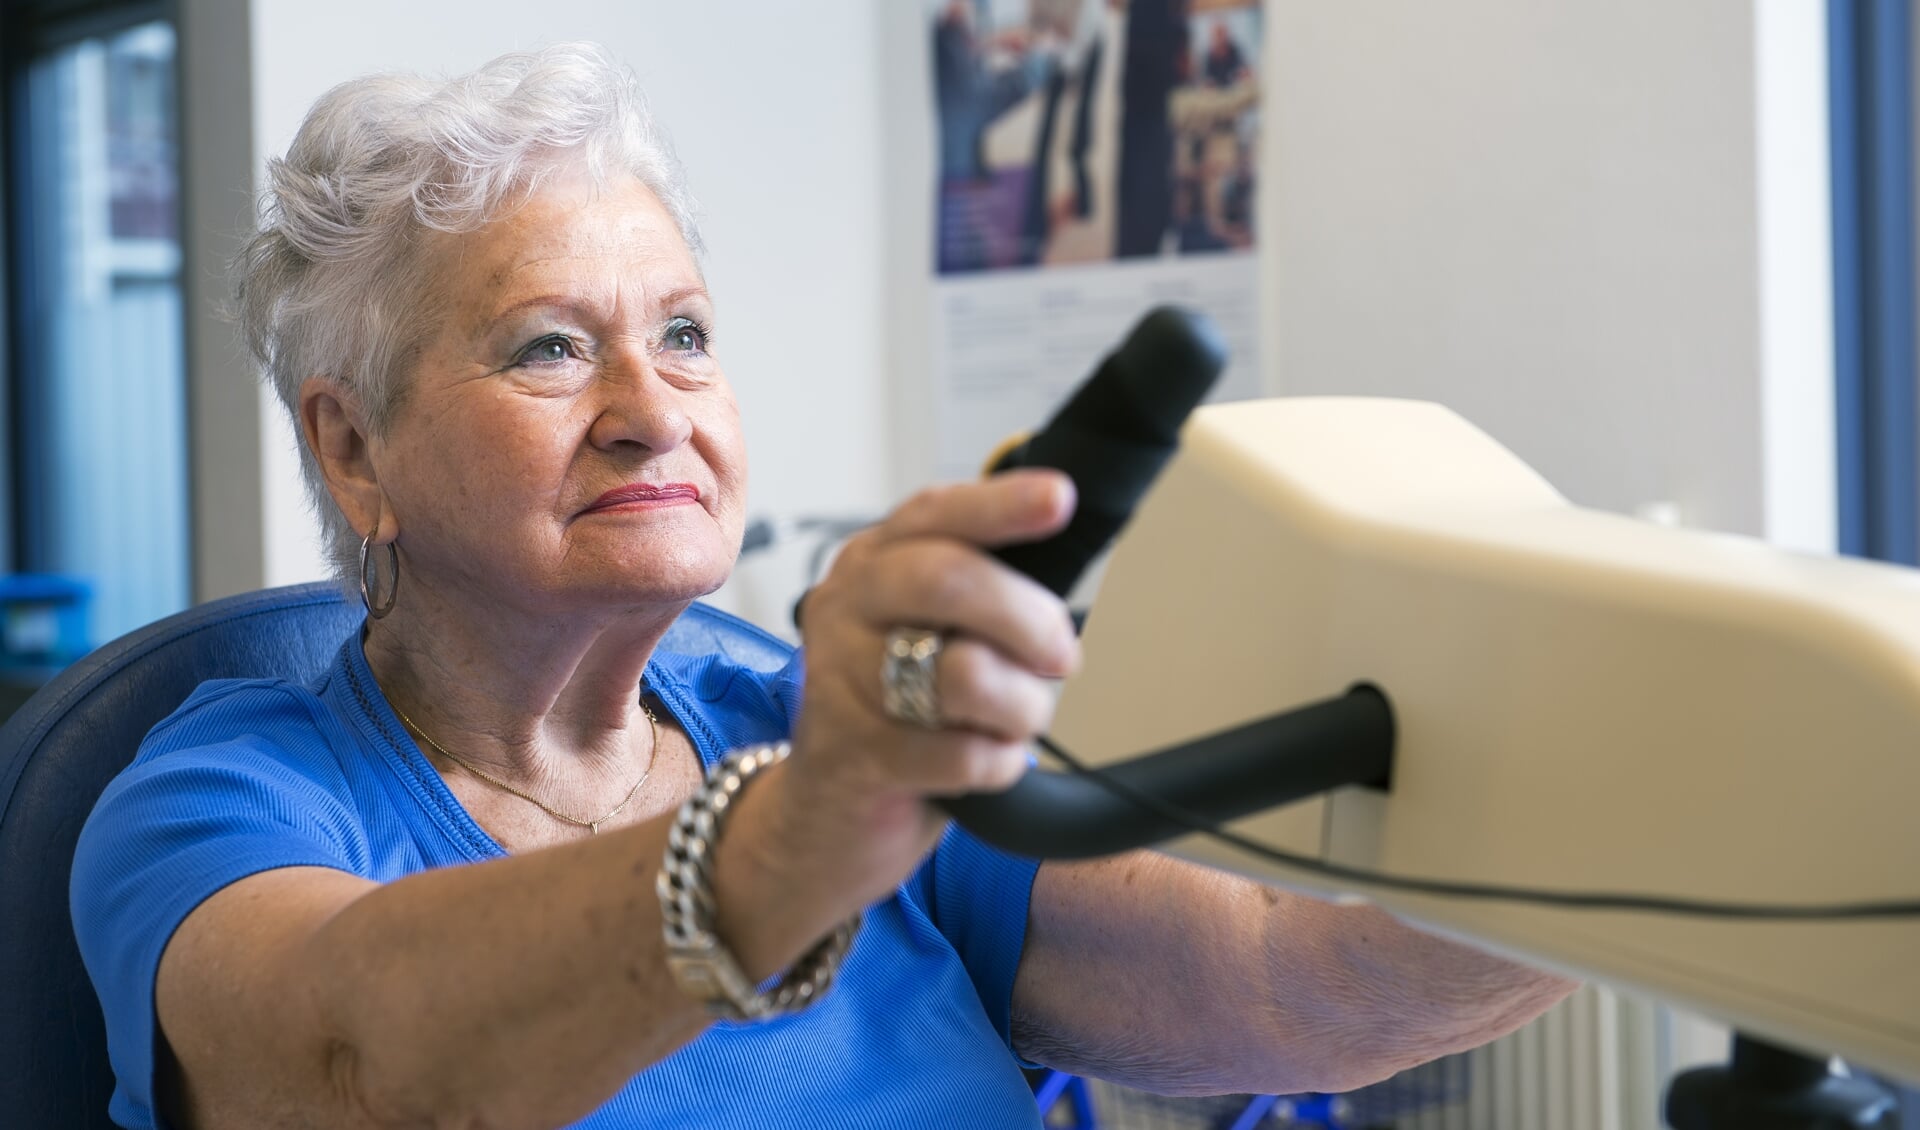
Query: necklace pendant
point(593, 828)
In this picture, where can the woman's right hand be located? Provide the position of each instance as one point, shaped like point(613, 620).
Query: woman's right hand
point(852, 811)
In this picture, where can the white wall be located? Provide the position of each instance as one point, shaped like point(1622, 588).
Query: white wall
point(775, 110)
point(1548, 216)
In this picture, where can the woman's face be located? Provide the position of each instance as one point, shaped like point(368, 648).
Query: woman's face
point(568, 439)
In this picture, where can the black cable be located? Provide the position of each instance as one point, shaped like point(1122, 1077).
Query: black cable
point(1582, 900)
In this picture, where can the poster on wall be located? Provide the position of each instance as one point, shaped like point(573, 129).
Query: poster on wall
point(1095, 158)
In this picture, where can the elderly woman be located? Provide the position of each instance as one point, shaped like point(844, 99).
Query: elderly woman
point(443, 886)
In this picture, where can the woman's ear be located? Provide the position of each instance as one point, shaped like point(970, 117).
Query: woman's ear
point(336, 432)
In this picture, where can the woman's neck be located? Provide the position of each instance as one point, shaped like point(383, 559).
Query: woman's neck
point(519, 690)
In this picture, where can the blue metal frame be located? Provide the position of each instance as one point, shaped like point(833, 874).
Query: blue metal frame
point(1871, 108)
point(1058, 1085)
point(1325, 1111)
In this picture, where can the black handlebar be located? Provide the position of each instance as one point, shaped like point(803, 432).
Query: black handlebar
point(1222, 777)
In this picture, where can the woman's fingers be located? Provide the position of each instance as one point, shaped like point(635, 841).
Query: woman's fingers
point(980, 745)
point(980, 690)
point(1009, 508)
point(937, 583)
point(956, 762)
point(923, 567)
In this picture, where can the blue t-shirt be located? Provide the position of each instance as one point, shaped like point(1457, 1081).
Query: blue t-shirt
point(250, 775)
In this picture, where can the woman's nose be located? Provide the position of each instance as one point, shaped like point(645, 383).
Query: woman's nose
point(638, 406)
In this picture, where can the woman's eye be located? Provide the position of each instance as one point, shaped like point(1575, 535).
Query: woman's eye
point(684, 335)
point(549, 350)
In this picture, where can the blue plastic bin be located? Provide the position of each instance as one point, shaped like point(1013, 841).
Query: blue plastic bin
point(43, 620)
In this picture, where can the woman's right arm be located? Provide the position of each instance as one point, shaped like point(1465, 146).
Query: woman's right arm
point(522, 992)
point(526, 991)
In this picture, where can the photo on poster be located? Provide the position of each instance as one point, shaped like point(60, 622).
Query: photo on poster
point(1088, 131)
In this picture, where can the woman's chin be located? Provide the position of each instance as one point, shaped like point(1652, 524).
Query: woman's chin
point(678, 579)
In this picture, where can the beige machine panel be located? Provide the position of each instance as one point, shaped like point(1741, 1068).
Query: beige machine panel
point(1584, 702)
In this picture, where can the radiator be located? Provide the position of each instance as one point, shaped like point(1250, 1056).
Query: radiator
point(1598, 1061)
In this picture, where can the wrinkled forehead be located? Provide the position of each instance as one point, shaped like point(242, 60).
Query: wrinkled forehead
point(573, 236)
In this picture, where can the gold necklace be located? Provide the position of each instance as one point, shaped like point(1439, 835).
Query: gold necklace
point(592, 826)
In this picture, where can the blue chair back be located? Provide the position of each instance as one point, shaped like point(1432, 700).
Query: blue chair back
point(59, 751)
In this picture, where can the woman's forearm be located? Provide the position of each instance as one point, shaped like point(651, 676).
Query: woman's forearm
point(1176, 978)
point(527, 988)
point(1397, 996)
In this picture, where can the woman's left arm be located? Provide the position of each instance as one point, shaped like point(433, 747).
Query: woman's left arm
point(1171, 977)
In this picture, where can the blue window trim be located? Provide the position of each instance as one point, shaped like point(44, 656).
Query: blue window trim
point(1871, 108)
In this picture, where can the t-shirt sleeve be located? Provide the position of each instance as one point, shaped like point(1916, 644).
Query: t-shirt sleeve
point(979, 897)
point(218, 792)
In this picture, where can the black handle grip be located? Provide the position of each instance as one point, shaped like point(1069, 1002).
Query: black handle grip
point(1114, 435)
point(1276, 760)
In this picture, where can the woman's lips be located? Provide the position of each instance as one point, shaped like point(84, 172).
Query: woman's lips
point(645, 496)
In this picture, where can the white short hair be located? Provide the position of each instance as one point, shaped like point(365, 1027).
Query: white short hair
point(333, 282)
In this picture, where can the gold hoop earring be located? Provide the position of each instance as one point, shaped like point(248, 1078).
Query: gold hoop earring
point(380, 609)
